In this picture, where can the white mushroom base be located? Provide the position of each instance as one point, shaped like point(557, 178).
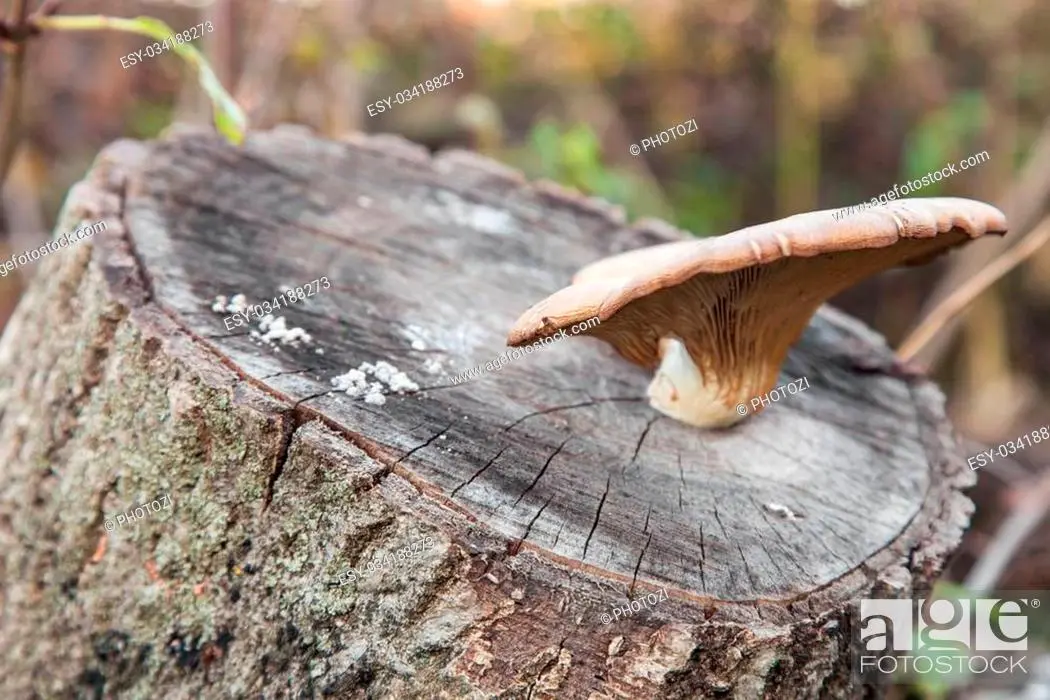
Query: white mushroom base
point(678, 390)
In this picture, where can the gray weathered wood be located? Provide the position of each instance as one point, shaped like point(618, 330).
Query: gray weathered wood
point(551, 488)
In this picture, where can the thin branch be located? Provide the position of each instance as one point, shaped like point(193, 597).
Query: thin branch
point(261, 69)
point(1022, 203)
point(221, 44)
point(957, 302)
point(11, 107)
point(228, 116)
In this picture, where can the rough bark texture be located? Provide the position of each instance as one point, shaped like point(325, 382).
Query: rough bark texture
point(551, 491)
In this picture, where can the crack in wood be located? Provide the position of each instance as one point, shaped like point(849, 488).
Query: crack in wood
point(417, 426)
point(638, 445)
point(718, 519)
point(546, 667)
point(557, 535)
point(597, 516)
point(681, 475)
point(528, 528)
point(479, 471)
point(417, 448)
point(223, 336)
point(290, 425)
point(543, 470)
point(555, 409)
point(290, 372)
point(703, 580)
point(774, 562)
point(747, 569)
point(638, 565)
point(311, 397)
point(731, 571)
point(231, 160)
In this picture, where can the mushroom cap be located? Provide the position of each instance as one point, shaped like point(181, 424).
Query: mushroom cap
point(782, 269)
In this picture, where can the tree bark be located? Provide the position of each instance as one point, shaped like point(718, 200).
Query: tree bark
point(534, 502)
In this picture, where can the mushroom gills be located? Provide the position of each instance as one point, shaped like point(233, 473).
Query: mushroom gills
point(678, 390)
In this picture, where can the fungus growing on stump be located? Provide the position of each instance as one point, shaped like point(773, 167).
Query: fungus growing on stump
point(715, 317)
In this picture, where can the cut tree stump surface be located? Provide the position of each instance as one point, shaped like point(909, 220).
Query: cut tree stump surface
point(552, 489)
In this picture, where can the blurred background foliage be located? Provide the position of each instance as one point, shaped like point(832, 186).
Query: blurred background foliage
point(799, 104)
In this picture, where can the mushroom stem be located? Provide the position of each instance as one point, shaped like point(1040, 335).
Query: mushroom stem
point(678, 390)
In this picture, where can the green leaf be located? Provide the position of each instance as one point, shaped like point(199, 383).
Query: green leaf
point(546, 141)
point(147, 120)
point(229, 118)
point(941, 136)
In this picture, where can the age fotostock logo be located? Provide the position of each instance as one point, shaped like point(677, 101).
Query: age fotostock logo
point(944, 636)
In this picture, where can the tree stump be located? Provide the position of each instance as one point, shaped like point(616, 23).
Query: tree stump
point(547, 495)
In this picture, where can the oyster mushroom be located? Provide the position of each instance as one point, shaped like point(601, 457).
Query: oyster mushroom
point(714, 317)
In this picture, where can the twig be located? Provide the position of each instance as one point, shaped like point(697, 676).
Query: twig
point(971, 289)
point(1022, 204)
point(220, 44)
point(1010, 536)
point(11, 107)
point(46, 8)
point(261, 70)
point(227, 114)
point(344, 112)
